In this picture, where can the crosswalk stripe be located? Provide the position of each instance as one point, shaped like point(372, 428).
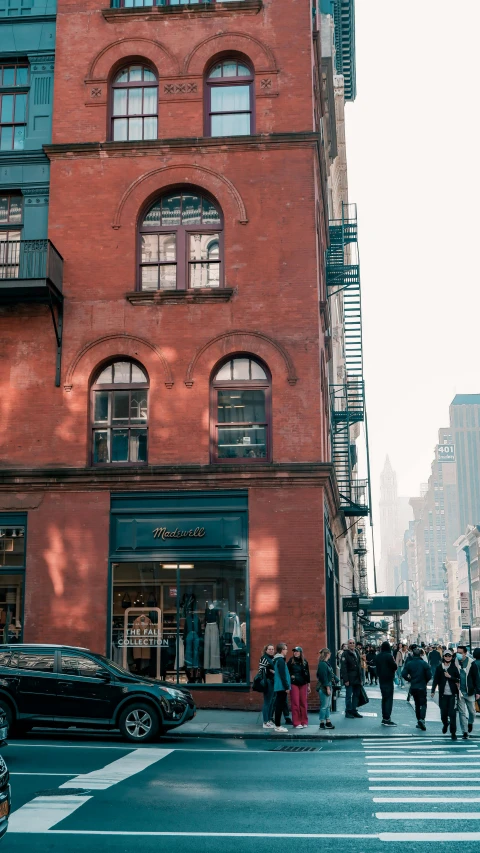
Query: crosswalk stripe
point(118, 770)
point(429, 836)
point(412, 778)
point(428, 815)
point(424, 800)
point(384, 788)
point(42, 813)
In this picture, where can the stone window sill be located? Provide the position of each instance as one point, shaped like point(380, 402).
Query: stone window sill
point(162, 297)
point(248, 7)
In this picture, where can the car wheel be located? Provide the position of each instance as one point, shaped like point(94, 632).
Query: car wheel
point(139, 723)
point(6, 709)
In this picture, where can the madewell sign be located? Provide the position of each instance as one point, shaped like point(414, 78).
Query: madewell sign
point(164, 533)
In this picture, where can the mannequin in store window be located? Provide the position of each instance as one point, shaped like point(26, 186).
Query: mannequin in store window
point(211, 651)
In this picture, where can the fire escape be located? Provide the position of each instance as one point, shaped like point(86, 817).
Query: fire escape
point(348, 399)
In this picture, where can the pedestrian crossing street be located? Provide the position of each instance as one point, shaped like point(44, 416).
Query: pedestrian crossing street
point(424, 779)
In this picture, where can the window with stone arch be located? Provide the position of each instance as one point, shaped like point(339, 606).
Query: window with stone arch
point(119, 406)
point(229, 93)
point(134, 104)
point(181, 242)
point(241, 410)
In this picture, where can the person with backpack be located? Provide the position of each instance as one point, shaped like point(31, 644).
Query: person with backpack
point(447, 679)
point(300, 687)
point(267, 669)
point(418, 673)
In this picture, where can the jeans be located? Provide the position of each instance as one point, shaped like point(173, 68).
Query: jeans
point(280, 700)
point(352, 693)
point(192, 645)
point(325, 705)
point(386, 689)
point(420, 698)
point(448, 712)
point(466, 710)
point(298, 701)
point(268, 700)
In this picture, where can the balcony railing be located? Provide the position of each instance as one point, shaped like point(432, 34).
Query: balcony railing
point(133, 4)
point(354, 497)
point(29, 261)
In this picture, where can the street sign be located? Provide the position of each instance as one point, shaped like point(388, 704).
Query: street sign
point(445, 453)
point(465, 609)
point(351, 605)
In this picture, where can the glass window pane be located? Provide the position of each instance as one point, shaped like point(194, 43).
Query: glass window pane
point(168, 277)
point(210, 214)
point(241, 368)
point(138, 406)
point(120, 129)
point(238, 406)
point(149, 248)
point(22, 76)
point(231, 125)
point(230, 98)
point(203, 247)
point(119, 102)
point(20, 107)
point(135, 102)
point(204, 275)
point(135, 73)
point(11, 595)
point(168, 247)
point(229, 69)
point(242, 442)
point(7, 108)
point(4, 207)
point(120, 445)
point(18, 138)
point(171, 210)
point(149, 278)
point(135, 128)
point(138, 445)
point(122, 76)
point(243, 71)
point(216, 71)
point(138, 374)
point(100, 446)
point(6, 139)
point(36, 662)
point(101, 406)
point(225, 372)
point(257, 371)
point(121, 405)
point(12, 548)
point(121, 372)
point(153, 215)
point(191, 210)
point(150, 128)
point(147, 74)
point(150, 100)
point(106, 376)
point(9, 76)
point(80, 666)
point(15, 208)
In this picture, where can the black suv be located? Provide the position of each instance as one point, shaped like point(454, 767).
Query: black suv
point(62, 686)
point(4, 797)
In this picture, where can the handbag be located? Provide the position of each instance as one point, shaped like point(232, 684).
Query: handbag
point(126, 601)
point(259, 683)
point(362, 697)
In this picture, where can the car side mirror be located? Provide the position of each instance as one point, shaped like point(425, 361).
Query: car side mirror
point(103, 675)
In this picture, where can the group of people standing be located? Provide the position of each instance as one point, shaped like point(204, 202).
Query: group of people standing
point(282, 677)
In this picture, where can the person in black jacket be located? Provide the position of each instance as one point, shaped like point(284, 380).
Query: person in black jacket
point(418, 673)
point(300, 676)
point(386, 669)
point(447, 679)
point(351, 675)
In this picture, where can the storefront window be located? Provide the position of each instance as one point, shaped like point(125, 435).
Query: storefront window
point(12, 567)
point(183, 622)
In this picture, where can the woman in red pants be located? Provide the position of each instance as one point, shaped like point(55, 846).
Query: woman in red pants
point(300, 687)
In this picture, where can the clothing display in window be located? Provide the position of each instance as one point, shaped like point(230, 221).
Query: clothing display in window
point(180, 658)
point(211, 653)
point(141, 626)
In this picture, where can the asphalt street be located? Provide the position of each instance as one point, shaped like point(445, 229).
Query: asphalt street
point(372, 794)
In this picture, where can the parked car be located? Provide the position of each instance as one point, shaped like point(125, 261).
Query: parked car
point(4, 797)
point(62, 686)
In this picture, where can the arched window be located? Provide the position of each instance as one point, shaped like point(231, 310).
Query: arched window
point(181, 243)
point(241, 411)
point(120, 415)
point(134, 104)
point(229, 92)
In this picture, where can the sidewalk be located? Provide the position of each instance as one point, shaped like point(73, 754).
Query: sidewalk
point(248, 724)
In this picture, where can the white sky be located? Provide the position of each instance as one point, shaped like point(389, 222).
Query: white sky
point(413, 149)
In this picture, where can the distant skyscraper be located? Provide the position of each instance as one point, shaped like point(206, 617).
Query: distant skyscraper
point(465, 432)
point(395, 514)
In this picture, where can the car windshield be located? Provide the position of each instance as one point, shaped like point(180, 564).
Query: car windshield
point(112, 665)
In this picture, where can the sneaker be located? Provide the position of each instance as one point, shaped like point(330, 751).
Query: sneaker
point(421, 725)
point(356, 714)
point(470, 728)
point(329, 725)
point(388, 723)
point(269, 725)
point(349, 715)
point(298, 727)
point(465, 735)
point(280, 729)
point(445, 729)
point(454, 737)
point(322, 725)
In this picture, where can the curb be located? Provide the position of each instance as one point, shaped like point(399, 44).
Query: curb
point(293, 736)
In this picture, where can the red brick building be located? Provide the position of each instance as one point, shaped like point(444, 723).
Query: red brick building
point(177, 484)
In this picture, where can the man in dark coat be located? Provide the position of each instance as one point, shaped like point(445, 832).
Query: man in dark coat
point(447, 679)
point(386, 669)
point(351, 674)
point(418, 673)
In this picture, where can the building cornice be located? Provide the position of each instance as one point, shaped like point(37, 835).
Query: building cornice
point(202, 10)
point(190, 144)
